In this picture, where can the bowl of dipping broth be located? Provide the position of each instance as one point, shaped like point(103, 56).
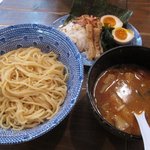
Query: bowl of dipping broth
point(118, 85)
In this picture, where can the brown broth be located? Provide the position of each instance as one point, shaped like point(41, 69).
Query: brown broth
point(120, 91)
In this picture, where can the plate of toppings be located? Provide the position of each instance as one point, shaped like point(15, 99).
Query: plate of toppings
point(97, 27)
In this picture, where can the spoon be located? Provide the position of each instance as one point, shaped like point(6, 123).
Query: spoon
point(144, 128)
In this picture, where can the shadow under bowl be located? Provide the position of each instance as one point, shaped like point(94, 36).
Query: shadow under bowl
point(137, 55)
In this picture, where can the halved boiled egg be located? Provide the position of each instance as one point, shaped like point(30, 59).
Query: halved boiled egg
point(111, 21)
point(122, 35)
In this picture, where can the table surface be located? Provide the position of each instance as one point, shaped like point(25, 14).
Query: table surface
point(80, 130)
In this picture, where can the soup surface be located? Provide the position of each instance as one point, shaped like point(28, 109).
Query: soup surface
point(120, 91)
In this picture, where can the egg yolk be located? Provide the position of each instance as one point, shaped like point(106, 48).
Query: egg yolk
point(121, 34)
point(110, 21)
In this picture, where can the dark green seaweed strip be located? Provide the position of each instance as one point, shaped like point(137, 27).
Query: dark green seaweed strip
point(97, 8)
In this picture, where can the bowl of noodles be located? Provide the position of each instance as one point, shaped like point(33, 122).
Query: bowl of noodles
point(38, 87)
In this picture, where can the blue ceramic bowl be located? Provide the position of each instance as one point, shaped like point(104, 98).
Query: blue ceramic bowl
point(47, 39)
